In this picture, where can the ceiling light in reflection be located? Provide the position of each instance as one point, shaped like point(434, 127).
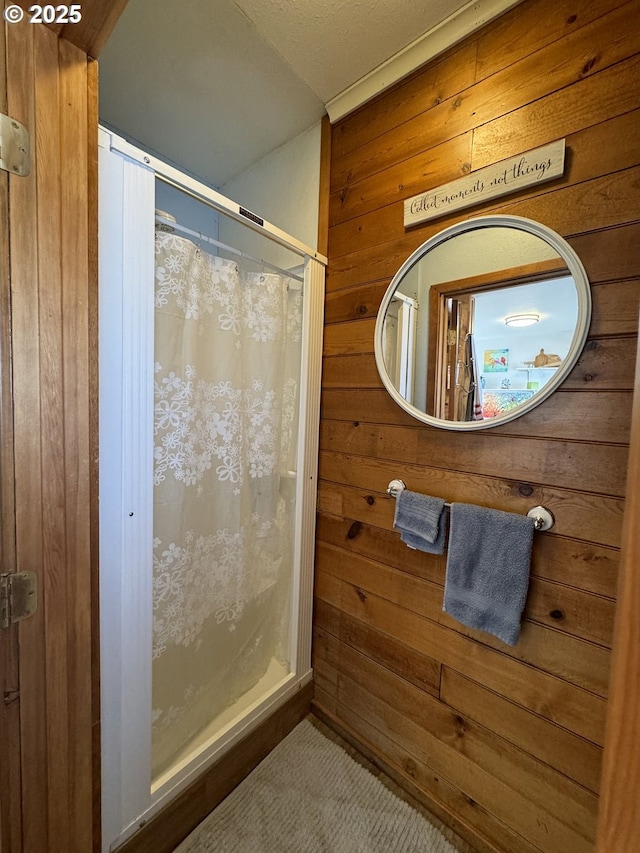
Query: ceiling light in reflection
point(520, 320)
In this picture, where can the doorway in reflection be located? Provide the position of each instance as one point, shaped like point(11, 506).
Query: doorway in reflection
point(496, 343)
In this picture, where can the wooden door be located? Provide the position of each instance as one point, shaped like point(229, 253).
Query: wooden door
point(49, 714)
point(453, 378)
point(49, 708)
point(10, 812)
point(461, 369)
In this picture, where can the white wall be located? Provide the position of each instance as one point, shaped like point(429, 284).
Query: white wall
point(284, 189)
point(188, 211)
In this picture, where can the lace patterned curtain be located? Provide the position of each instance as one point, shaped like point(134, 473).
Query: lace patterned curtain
point(227, 353)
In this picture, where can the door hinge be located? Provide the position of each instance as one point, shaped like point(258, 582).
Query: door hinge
point(14, 146)
point(18, 597)
point(452, 337)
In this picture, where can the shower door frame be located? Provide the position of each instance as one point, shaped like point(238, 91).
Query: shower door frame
point(127, 205)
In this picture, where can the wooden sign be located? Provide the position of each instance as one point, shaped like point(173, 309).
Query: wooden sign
point(508, 176)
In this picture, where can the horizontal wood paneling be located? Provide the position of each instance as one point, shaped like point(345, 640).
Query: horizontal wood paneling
point(438, 164)
point(574, 513)
point(504, 42)
point(471, 820)
point(610, 145)
point(577, 612)
point(504, 743)
point(582, 565)
point(437, 83)
point(501, 45)
point(556, 463)
point(563, 416)
point(568, 210)
point(444, 754)
point(551, 696)
point(605, 364)
point(615, 307)
point(566, 752)
point(584, 664)
point(586, 52)
point(456, 745)
point(607, 255)
point(604, 98)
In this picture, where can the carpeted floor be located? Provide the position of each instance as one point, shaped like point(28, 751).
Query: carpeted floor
point(310, 796)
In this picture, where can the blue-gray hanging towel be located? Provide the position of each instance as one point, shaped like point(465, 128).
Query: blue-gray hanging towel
point(421, 521)
point(488, 568)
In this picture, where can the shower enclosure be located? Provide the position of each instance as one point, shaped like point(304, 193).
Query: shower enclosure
point(209, 397)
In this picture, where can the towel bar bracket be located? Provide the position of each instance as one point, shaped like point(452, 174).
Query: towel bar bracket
point(395, 487)
point(543, 519)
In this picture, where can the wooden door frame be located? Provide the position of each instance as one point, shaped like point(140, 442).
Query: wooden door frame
point(619, 815)
point(99, 17)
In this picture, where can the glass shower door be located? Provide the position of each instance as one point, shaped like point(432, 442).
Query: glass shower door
point(210, 570)
point(226, 396)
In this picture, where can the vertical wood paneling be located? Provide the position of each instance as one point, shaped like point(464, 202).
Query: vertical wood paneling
point(54, 551)
point(530, 717)
point(77, 285)
point(92, 331)
point(28, 455)
point(51, 284)
point(324, 185)
point(10, 776)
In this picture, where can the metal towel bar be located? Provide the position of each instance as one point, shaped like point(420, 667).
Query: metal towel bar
point(542, 518)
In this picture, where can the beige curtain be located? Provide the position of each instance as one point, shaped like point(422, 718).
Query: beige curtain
point(227, 361)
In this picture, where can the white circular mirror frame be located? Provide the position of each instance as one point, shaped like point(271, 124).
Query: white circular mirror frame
point(583, 293)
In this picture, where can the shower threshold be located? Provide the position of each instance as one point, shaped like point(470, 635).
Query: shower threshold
point(274, 677)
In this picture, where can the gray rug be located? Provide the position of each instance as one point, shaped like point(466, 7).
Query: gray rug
point(310, 796)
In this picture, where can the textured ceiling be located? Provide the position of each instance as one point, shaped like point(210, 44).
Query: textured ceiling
point(214, 85)
point(330, 44)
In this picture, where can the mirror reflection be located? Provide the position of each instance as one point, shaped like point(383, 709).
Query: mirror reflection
point(479, 324)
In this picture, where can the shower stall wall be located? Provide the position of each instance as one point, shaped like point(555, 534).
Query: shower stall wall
point(209, 409)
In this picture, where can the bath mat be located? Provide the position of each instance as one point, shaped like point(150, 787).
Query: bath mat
point(309, 796)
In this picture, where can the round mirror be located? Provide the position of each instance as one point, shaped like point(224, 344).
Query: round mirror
point(482, 323)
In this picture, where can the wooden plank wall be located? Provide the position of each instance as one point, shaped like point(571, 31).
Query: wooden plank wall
point(10, 818)
point(503, 744)
point(51, 89)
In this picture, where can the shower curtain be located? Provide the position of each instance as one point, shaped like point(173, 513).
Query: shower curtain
point(227, 364)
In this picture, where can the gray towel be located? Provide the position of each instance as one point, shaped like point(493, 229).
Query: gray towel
point(421, 521)
point(419, 543)
point(488, 569)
